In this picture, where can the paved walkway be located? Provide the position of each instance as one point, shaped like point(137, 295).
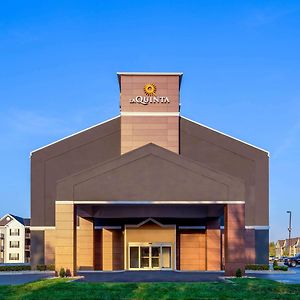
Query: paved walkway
point(21, 278)
point(150, 276)
point(145, 276)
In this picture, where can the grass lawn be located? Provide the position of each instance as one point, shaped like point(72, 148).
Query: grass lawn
point(239, 289)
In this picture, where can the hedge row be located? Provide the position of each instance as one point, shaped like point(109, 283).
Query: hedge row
point(45, 267)
point(15, 268)
point(257, 267)
point(280, 268)
point(26, 268)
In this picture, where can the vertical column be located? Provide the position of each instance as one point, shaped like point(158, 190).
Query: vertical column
point(85, 244)
point(213, 245)
point(250, 255)
point(50, 237)
point(65, 246)
point(137, 131)
point(149, 116)
point(98, 249)
point(107, 250)
point(37, 248)
point(234, 238)
point(112, 250)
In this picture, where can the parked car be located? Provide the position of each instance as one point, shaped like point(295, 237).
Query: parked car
point(282, 258)
point(292, 261)
point(271, 258)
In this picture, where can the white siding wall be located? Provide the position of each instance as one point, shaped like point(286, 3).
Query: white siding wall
point(2, 231)
point(21, 238)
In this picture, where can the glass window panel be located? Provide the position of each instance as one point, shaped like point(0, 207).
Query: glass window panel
point(14, 256)
point(155, 251)
point(144, 251)
point(145, 257)
point(145, 262)
point(14, 244)
point(155, 262)
point(134, 257)
point(166, 257)
point(14, 232)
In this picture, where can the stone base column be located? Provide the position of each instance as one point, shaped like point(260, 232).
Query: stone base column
point(107, 250)
point(50, 238)
point(98, 249)
point(112, 250)
point(85, 244)
point(213, 245)
point(65, 245)
point(250, 255)
point(234, 238)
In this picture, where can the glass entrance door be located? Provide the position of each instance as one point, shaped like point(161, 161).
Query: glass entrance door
point(166, 257)
point(155, 257)
point(143, 256)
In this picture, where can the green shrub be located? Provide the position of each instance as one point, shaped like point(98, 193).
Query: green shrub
point(62, 272)
point(238, 273)
point(257, 267)
point(41, 267)
point(50, 267)
point(68, 273)
point(275, 264)
point(280, 268)
point(45, 267)
point(15, 268)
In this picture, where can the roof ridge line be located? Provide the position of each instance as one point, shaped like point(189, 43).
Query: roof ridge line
point(225, 134)
point(73, 134)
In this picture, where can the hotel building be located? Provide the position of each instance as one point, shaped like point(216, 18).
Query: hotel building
point(149, 190)
point(14, 240)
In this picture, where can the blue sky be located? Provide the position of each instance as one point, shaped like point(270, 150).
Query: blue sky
point(241, 64)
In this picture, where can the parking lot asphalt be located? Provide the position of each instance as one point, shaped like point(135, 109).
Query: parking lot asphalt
point(284, 278)
point(171, 276)
point(150, 276)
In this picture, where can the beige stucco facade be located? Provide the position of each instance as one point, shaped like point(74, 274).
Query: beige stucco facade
point(150, 233)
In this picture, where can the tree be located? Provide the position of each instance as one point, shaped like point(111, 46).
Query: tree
point(272, 249)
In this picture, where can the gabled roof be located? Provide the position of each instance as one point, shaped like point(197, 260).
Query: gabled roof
point(149, 220)
point(285, 243)
point(182, 117)
point(74, 134)
point(280, 243)
point(26, 222)
point(150, 173)
point(294, 241)
point(226, 135)
point(4, 221)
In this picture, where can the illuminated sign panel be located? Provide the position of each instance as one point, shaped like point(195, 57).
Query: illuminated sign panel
point(151, 97)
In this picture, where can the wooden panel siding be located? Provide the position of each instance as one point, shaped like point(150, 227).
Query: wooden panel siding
point(192, 250)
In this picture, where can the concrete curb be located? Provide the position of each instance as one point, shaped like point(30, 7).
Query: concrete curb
point(270, 272)
point(226, 279)
point(72, 279)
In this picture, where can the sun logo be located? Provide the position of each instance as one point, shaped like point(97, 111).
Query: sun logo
point(150, 89)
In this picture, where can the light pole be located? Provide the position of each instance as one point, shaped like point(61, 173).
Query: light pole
point(290, 231)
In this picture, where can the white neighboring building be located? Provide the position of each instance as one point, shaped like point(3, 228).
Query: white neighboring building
point(14, 239)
